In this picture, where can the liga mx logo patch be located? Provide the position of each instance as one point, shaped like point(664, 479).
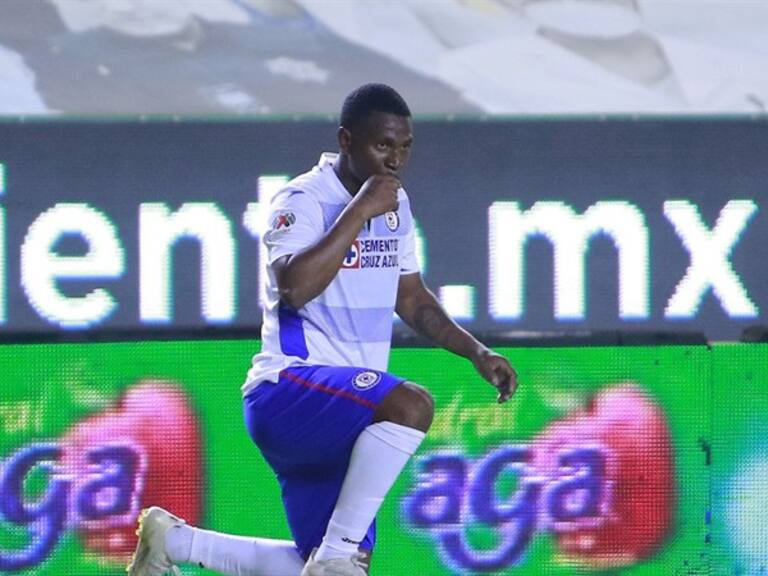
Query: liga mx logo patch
point(366, 380)
point(283, 221)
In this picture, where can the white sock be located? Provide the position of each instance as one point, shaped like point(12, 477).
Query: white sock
point(379, 455)
point(178, 543)
point(232, 555)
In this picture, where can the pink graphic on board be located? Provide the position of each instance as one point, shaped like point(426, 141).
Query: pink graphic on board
point(637, 499)
point(145, 451)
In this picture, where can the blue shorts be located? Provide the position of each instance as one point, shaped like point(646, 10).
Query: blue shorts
point(305, 426)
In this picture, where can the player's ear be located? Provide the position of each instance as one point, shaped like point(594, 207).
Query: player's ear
point(344, 137)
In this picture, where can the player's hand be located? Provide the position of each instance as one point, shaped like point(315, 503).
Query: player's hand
point(498, 371)
point(378, 195)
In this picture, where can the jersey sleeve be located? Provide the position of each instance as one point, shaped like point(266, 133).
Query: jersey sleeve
point(295, 222)
point(408, 262)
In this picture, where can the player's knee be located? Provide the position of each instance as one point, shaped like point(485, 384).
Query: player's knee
point(409, 405)
point(422, 403)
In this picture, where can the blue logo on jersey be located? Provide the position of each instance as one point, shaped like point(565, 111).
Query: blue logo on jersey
point(352, 259)
point(392, 220)
point(365, 380)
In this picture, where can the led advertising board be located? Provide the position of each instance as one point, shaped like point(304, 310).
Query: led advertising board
point(635, 460)
point(534, 226)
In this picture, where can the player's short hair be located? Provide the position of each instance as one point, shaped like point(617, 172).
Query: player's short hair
point(371, 98)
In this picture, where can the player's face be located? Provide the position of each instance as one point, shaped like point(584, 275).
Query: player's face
point(381, 144)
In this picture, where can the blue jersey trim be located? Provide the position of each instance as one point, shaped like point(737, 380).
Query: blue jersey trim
point(292, 340)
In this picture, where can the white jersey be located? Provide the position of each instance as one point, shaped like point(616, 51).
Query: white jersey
point(350, 322)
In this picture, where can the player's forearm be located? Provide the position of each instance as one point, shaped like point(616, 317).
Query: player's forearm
point(426, 316)
point(306, 274)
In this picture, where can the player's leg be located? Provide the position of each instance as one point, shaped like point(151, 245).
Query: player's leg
point(307, 426)
point(166, 541)
point(380, 453)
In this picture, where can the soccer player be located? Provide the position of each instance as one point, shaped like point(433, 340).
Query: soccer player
point(335, 427)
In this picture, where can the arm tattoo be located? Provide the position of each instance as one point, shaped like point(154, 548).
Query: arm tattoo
point(430, 320)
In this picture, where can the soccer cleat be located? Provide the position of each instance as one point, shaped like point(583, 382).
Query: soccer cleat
point(150, 558)
point(353, 566)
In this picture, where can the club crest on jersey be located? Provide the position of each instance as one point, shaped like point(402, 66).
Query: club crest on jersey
point(392, 220)
point(365, 380)
point(283, 221)
point(352, 258)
